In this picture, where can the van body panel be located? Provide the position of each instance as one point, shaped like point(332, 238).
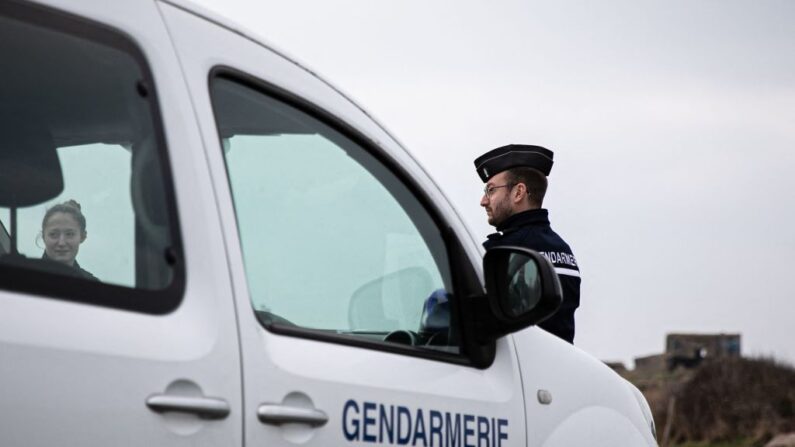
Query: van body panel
point(79, 374)
point(342, 381)
point(586, 395)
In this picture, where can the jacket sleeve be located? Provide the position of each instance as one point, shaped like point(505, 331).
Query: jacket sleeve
point(562, 322)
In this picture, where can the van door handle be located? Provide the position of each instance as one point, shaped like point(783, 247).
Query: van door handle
point(276, 414)
point(204, 407)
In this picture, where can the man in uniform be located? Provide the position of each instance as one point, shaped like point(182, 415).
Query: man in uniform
point(516, 181)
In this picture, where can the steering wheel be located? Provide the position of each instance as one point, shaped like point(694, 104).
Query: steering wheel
point(402, 336)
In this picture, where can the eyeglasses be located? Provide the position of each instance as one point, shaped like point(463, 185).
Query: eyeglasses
point(489, 190)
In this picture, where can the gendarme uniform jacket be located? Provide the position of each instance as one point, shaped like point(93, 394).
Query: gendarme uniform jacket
point(76, 270)
point(530, 229)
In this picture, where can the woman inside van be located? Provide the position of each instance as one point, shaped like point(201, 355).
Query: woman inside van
point(63, 229)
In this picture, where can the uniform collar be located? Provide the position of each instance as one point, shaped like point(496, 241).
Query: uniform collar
point(529, 217)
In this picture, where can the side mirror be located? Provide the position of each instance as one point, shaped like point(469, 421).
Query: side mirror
point(522, 289)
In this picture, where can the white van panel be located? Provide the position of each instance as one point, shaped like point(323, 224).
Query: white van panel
point(587, 397)
point(327, 376)
point(76, 374)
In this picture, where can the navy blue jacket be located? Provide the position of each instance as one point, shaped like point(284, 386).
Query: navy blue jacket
point(530, 229)
point(78, 271)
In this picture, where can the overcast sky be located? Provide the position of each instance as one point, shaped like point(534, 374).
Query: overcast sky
point(672, 123)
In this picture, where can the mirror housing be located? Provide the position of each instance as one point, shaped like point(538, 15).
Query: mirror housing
point(522, 289)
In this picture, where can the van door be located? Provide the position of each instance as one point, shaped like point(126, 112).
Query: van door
point(346, 284)
point(117, 325)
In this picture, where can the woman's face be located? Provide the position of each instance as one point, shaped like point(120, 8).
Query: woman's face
point(62, 237)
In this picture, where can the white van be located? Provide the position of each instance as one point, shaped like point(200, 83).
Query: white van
point(260, 263)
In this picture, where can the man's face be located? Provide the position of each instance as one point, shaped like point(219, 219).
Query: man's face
point(498, 201)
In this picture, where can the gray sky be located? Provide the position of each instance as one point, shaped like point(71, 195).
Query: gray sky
point(672, 125)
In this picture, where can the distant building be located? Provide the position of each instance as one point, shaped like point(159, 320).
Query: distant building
point(689, 350)
point(650, 363)
point(618, 367)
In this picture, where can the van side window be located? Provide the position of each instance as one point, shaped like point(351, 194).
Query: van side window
point(86, 210)
point(334, 243)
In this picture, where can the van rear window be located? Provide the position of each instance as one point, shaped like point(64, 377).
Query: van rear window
point(86, 209)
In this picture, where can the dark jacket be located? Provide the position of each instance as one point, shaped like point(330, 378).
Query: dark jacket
point(76, 270)
point(530, 229)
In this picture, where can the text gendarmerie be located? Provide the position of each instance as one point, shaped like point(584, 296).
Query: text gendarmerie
point(558, 257)
point(398, 425)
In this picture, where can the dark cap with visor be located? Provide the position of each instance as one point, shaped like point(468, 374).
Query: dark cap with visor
point(513, 156)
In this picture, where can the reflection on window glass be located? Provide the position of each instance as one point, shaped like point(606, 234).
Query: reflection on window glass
point(524, 289)
point(332, 240)
point(81, 185)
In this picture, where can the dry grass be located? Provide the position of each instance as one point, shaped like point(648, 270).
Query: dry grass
point(724, 402)
point(734, 398)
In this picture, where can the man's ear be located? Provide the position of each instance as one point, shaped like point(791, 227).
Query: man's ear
point(83, 237)
point(520, 192)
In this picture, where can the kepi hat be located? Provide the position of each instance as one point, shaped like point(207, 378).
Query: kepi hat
point(512, 156)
